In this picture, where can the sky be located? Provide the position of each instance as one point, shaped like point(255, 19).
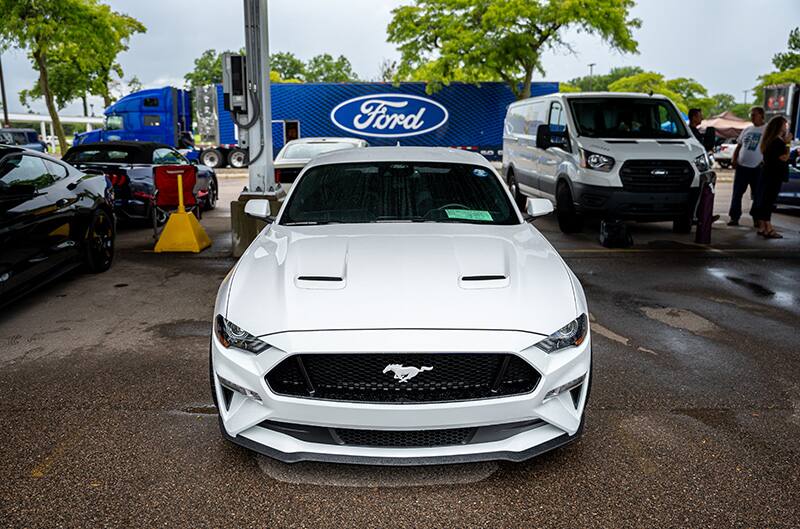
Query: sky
point(724, 44)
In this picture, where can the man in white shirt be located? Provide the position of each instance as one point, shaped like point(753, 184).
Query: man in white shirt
point(747, 162)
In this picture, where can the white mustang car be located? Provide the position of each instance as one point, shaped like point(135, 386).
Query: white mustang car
point(400, 310)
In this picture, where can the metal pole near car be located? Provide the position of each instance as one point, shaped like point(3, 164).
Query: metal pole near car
point(6, 123)
point(258, 138)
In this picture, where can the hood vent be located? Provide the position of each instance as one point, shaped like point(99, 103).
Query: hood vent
point(483, 281)
point(320, 282)
point(319, 278)
point(622, 141)
point(671, 142)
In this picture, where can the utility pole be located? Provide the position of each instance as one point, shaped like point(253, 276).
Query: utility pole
point(6, 123)
point(745, 96)
point(591, 76)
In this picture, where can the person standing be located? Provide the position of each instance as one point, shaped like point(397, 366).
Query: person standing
point(775, 170)
point(747, 164)
point(695, 118)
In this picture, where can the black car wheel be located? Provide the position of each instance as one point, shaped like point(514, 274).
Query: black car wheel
point(569, 221)
point(99, 243)
point(211, 158)
point(211, 198)
point(513, 187)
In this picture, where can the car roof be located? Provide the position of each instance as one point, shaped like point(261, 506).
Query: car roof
point(10, 149)
point(401, 154)
point(325, 139)
point(142, 146)
point(583, 95)
point(17, 129)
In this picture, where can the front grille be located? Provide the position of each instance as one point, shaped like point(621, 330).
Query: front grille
point(392, 439)
point(671, 176)
point(361, 377)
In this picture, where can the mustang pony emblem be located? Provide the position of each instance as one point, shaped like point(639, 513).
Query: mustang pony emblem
point(404, 374)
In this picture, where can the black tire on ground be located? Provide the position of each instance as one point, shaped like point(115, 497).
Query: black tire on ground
point(98, 245)
point(724, 165)
point(682, 224)
point(237, 158)
point(213, 194)
point(212, 158)
point(569, 221)
point(513, 187)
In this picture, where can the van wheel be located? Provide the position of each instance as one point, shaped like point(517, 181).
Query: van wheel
point(569, 221)
point(513, 187)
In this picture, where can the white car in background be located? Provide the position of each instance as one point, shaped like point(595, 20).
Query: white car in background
point(400, 310)
point(723, 153)
point(297, 153)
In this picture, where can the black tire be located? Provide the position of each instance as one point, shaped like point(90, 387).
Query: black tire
point(212, 158)
point(569, 221)
point(513, 187)
point(98, 245)
point(725, 165)
point(682, 224)
point(237, 158)
point(213, 194)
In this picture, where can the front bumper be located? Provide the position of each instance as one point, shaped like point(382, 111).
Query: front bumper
point(512, 428)
point(614, 202)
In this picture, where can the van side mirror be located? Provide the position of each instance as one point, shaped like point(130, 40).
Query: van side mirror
point(543, 136)
point(538, 207)
point(259, 209)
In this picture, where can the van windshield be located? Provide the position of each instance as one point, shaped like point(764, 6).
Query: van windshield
point(625, 117)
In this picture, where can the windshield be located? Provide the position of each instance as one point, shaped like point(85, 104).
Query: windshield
point(624, 117)
point(107, 155)
point(398, 192)
point(13, 138)
point(301, 151)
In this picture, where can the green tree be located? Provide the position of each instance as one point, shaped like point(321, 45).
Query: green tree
point(502, 39)
point(134, 84)
point(567, 87)
point(72, 44)
point(789, 60)
point(649, 83)
point(325, 69)
point(688, 89)
point(599, 83)
point(207, 70)
point(774, 78)
point(288, 66)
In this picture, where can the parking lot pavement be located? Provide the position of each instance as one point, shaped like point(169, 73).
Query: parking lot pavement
point(694, 417)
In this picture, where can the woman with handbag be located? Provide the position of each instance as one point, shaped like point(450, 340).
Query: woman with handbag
point(774, 171)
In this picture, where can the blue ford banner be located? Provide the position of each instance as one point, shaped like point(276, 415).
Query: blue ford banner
point(389, 115)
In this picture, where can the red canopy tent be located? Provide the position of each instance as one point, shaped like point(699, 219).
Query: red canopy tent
point(727, 124)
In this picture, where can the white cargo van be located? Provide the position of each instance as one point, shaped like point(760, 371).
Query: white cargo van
point(608, 155)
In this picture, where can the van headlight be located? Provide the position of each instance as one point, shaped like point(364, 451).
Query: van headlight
point(597, 162)
point(570, 335)
point(702, 164)
point(231, 335)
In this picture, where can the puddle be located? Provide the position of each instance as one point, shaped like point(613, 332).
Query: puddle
point(680, 319)
point(183, 329)
point(712, 417)
point(364, 476)
point(755, 288)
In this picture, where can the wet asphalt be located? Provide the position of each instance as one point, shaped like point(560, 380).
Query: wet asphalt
point(694, 419)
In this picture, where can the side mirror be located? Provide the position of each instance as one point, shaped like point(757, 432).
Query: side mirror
point(258, 209)
point(543, 136)
point(709, 138)
point(538, 207)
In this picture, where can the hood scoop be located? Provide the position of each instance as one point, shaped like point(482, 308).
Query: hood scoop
point(483, 281)
point(319, 282)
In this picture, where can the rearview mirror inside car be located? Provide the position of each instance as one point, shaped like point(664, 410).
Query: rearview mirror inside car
point(538, 207)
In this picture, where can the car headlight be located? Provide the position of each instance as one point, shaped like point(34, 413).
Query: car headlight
point(598, 162)
point(231, 335)
point(701, 162)
point(570, 335)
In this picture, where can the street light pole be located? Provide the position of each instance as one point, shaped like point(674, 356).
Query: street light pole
point(6, 123)
point(591, 76)
point(745, 96)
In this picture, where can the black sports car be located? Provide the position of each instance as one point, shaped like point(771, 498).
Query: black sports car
point(129, 167)
point(53, 218)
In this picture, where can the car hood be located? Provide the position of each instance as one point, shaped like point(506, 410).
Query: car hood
point(621, 149)
point(392, 276)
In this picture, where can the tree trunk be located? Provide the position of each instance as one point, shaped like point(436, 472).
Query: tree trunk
point(526, 84)
point(44, 84)
point(85, 105)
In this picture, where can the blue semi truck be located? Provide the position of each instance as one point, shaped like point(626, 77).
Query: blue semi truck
point(460, 115)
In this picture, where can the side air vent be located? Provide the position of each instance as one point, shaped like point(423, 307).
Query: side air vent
point(319, 278)
point(320, 282)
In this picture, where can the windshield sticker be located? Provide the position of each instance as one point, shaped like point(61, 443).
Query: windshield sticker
point(468, 214)
point(482, 173)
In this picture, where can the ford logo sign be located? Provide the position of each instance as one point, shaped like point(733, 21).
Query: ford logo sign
point(389, 115)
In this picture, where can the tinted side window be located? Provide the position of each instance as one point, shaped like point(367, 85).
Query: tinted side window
point(150, 101)
point(152, 121)
point(56, 169)
point(20, 170)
